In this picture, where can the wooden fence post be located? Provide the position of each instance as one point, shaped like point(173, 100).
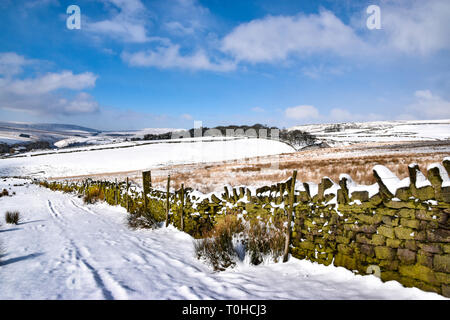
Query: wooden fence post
point(289, 219)
point(182, 207)
point(146, 183)
point(167, 202)
point(116, 193)
point(127, 196)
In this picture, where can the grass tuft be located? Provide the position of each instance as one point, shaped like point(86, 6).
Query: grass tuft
point(93, 195)
point(217, 249)
point(263, 240)
point(138, 221)
point(12, 217)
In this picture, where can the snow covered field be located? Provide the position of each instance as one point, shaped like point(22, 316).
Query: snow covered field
point(138, 157)
point(63, 249)
point(379, 131)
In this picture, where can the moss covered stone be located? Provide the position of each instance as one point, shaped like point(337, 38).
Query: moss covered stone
point(384, 253)
point(390, 221)
point(439, 235)
point(406, 256)
point(403, 193)
point(434, 248)
point(443, 278)
point(362, 196)
point(393, 243)
point(400, 204)
point(407, 213)
point(446, 247)
point(390, 265)
point(342, 239)
point(441, 263)
point(411, 245)
point(367, 250)
point(404, 233)
point(344, 249)
point(378, 240)
point(386, 231)
point(425, 193)
point(410, 223)
point(445, 290)
point(348, 262)
point(419, 272)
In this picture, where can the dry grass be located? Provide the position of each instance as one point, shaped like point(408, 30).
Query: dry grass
point(12, 217)
point(217, 248)
point(138, 221)
point(262, 240)
point(4, 193)
point(357, 161)
point(309, 170)
point(93, 195)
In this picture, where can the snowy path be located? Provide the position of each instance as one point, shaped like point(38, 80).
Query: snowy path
point(63, 249)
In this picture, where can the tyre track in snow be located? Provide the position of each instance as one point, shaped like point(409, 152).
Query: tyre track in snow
point(80, 256)
point(139, 243)
point(146, 259)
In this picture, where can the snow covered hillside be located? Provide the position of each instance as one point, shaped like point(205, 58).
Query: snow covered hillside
point(15, 132)
point(63, 135)
point(138, 157)
point(63, 249)
point(380, 131)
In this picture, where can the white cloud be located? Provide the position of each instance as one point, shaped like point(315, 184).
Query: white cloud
point(51, 104)
point(186, 116)
point(274, 38)
point(428, 105)
point(178, 28)
point(11, 63)
point(128, 24)
point(82, 103)
point(301, 112)
point(42, 94)
point(185, 17)
point(322, 70)
point(50, 82)
point(417, 26)
point(258, 109)
point(170, 57)
point(411, 27)
point(308, 112)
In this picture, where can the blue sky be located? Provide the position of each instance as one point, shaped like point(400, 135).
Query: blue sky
point(140, 64)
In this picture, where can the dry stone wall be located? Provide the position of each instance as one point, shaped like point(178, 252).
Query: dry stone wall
point(397, 229)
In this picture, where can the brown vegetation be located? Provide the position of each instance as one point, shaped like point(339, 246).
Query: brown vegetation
point(12, 217)
point(93, 195)
point(312, 166)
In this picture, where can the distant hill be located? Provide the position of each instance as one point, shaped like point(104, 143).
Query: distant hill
point(52, 127)
point(378, 131)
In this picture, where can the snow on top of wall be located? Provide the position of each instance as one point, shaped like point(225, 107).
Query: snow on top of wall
point(313, 188)
point(333, 189)
point(299, 186)
point(352, 186)
point(442, 172)
point(421, 180)
point(390, 180)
